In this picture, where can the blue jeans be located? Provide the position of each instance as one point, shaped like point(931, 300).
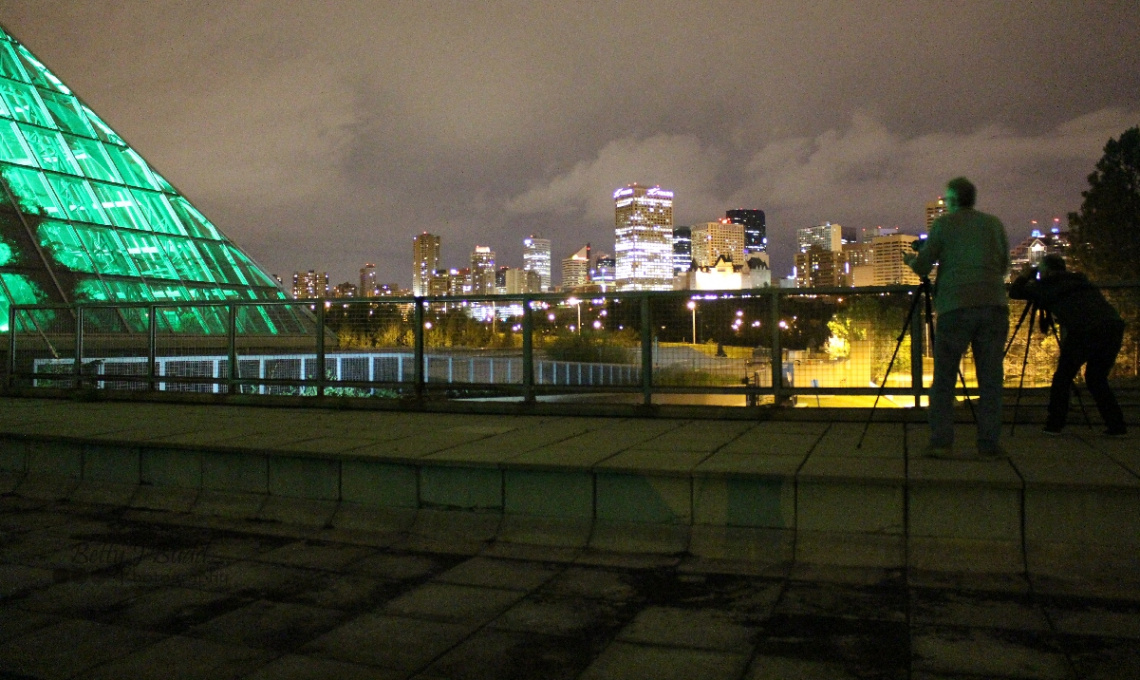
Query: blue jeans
point(984, 328)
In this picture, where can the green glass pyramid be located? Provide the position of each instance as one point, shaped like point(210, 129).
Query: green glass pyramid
point(83, 218)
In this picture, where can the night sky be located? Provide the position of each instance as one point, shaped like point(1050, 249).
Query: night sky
point(325, 135)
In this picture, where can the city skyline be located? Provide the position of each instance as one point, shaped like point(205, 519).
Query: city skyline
point(323, 137)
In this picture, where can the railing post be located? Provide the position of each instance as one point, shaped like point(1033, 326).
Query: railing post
point(777, 353)
point(528, 352)
point(151, 347)
point(78, 367)
point(419, 369)
point(646, 351)
point(917, 341)
point(231, 348)
point(320, 348)
point(10, 377)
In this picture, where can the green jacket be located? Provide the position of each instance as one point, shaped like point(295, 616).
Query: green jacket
point(972, 253)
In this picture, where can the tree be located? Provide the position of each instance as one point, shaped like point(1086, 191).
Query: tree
point(1106, 231)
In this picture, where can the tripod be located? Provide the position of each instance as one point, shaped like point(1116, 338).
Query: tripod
point(1033, 311)
point(922, 292)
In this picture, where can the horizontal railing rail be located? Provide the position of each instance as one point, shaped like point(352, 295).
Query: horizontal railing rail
point(733, 348)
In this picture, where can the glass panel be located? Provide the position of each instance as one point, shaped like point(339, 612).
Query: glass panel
point(196, 223)
point(148, 255)
point(24, 104)
point(17, 289)
point(38, 72)
point(121, 206)
point(92, 158)
point(158, 213)
point(162, 183)
point(107, 251)
point(252, 272)
point(50, 150)
point(221, 264)
point(77, 196)
point(60, 241)
point(133, 174)
point(129, 291)
point(65, 110)
point(187, 261)
point(9, 64)
point(13, 146)
point(91, 290)
point(103, 130)
point(33, 193)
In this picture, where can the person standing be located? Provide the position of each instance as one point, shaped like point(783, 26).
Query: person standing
point(1091, 334)
point(971, 250)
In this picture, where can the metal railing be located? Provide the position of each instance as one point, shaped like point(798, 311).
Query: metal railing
point(734, 348)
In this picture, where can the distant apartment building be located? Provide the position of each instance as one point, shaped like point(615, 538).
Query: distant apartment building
point(714, 240)
point(643, 237)
point(818, 268)
point(755, 229)
point(536, 258)
point(344, 290)
point(425, 261)
point(310, 284)
point(890, 269)
point(858, 265)
point(934, 210)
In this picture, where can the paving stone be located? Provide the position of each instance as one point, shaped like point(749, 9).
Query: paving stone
point(259, 580)
point(1011, 612)
point(184, 658)
point(690, 628)
point(602, 584)
point(350, 593)
point(454, 603)
point(621, 661)
point(505, 655)
point(69, 648)
point(402, 567)
point(316, 554)
point(512, 574)
point(1103, 658)
point(865, 648)
point(884, 603)
point(17, 579)
point(297, 667)
point(784, 668)
point(15, 622)
point(1083, 616)
point(389, 641)
point(277, 626)
point(174, 609)
point(1005, 654)
point(565, 616)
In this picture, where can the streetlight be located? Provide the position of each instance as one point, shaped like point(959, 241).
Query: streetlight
point(693, 308)
point(577, 303)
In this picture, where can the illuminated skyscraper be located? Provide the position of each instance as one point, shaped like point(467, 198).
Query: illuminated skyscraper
point(483, 271)
point(576, 269)
point(536, 258)
point(310, 284)
point(369, 284)
point(934, 210)
point(84, 218)
point(755, 229)
point(425, 260)
point(643, 238)
point(827, 236)
point(713, 240)
point(888, 260)
point(682, 250)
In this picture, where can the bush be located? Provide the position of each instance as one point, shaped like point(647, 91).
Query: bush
point(589, 347)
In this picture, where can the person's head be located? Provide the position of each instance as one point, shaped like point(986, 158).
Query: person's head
point(1051, 265)
point(960, 193)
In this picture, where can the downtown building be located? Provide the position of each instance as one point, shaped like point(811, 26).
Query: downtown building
point(576, 269)
point(643, 238)
point(425, 262)
point(536, 258)
point(714, 240)
point(755, 229)
point(483, 272)
point(310, 284)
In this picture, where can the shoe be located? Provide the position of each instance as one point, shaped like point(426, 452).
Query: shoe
point(945, 453)
point(1051, 431)
point(1116, 432)
point(997, 453)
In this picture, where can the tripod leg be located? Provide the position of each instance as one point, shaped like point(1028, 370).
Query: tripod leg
point(891, 363)
point(1024, 363)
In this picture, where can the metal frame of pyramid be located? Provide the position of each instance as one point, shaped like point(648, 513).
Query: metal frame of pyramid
point(85, 219)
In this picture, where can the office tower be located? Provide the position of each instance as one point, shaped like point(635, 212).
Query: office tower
point(483, 271)
point(345, 290)
point(604, 271)
point(682, 250)
point(643, 236)
point(755, 229)
point(889, 266)
point(817, 267)
point(858, 265)
point(425, 260)
point(84, 218)
point(369, 284)
point(522, 281)
point(827, 236)
point(310, 284)
point(536, 258)
point(934, 210)
point(576, 269)
point(713, 240)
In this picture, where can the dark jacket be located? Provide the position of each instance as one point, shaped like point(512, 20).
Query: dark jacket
point(1069, 296)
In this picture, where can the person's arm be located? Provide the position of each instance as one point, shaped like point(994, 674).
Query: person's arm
point(923, 261)
point(1024, 287)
